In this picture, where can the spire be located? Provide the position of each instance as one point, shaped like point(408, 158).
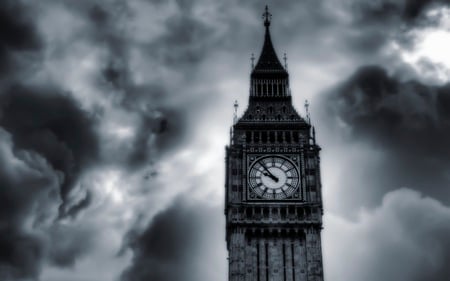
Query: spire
point(268, 62)
point(267, 17)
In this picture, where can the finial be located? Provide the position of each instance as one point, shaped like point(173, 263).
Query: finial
point(285, 60)
point(267, 17)
point(314, 135)
point(253, 60)
point(308, 118)
point(236, 105)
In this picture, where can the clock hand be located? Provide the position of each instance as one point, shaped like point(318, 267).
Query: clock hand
point(269, 174)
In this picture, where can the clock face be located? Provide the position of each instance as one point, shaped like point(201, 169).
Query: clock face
point(273, 177)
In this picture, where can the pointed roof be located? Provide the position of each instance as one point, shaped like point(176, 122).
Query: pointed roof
point(268, 62)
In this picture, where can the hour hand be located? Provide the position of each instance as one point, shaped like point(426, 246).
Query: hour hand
point(271, 176)
point(268, 173)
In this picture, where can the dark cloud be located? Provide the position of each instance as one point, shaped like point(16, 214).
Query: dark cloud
point(18, 36)
point(17, 30)
point(407, 10)
point(407, 123)
point(47, 142)
point(176, 245)
point(45, 121)
point(29, 203)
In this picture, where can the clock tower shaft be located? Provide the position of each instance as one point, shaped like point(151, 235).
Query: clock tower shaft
point(273, 198)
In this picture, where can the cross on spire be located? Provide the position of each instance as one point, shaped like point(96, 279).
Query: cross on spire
point(267, 17)
point(253, 60)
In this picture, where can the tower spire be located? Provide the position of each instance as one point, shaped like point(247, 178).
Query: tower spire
point(269, 78)
point(268, 60)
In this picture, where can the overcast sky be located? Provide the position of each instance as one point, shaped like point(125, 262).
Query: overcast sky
point(114, 116)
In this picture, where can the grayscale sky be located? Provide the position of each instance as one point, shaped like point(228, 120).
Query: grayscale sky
point(114, 116)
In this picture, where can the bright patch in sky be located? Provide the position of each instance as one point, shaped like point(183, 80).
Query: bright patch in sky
point(432, 43)
point(435, 46)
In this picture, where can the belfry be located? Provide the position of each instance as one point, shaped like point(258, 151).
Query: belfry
point(273, 203)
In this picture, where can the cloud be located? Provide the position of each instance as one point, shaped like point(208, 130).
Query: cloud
point(405, 238)
point(18, 36)
point(179, 243)
point(29, 203)
point(51, 124)
point(401, 129)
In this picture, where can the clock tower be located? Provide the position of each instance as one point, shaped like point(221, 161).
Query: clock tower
point(273, 202)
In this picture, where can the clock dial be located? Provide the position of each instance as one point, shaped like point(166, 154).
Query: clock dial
point(273, 177)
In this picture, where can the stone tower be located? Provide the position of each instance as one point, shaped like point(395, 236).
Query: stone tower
point(273, 190)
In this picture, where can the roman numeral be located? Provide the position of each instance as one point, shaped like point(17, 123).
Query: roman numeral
point(290, 169)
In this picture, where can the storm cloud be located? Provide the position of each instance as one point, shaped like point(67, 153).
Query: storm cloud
point(405, 123)
point(177, 238)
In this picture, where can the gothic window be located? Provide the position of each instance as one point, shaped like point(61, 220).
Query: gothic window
point(264, 137)
point(291, 210)
point(283, 213)
point(266, 213)
point(283, 109)
point(279, 137)
point(288, 136)
point(256, 136)
point(272, 137)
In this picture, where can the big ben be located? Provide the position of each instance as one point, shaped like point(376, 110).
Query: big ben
point(273, 203)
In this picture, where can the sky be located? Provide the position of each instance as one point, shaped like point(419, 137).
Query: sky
point(114, 117)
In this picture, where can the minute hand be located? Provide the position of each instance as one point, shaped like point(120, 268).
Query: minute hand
point(269, 173)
